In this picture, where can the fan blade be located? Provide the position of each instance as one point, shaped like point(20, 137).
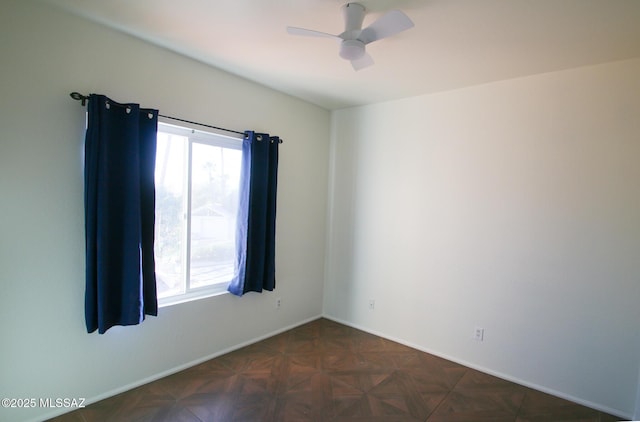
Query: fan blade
point(362, 62)
point(387, 25)
point(309, 32)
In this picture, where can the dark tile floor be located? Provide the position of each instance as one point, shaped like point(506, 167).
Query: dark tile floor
point(325, 371)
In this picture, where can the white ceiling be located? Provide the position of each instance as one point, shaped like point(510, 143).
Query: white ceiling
point(455, 43)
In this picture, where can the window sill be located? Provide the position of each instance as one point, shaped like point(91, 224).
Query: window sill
point(217, 290)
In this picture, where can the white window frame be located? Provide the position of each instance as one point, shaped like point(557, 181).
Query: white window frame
point(208, 138)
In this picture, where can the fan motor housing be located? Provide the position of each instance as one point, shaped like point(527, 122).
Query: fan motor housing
point(351, 49)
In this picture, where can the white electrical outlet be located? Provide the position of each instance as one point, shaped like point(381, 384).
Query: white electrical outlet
point(278, 303)
point(478, 334)
point(372, 304)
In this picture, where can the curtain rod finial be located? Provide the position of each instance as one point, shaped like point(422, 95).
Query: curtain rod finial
point(79, 97)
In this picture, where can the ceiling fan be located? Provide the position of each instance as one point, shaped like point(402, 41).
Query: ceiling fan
point(354, 38)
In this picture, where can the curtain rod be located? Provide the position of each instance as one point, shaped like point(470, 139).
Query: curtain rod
point(79, 97)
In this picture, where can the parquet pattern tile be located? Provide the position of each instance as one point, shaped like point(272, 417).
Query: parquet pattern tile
point(325, 371)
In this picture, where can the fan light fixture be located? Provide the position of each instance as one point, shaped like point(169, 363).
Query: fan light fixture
point(351, 49)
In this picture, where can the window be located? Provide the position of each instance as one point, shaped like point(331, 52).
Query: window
point(197, 179)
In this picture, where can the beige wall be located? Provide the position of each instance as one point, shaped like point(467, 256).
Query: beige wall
point(512, 206)
point(46, 352)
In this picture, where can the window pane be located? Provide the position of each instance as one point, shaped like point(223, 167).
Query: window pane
point(170, 211)
point(214, 198)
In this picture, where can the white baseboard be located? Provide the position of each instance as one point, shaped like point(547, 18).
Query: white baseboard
point(596, 406)
point(179, 368)
point(489, 371)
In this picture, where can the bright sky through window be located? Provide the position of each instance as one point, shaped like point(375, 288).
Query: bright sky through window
point(197, 178)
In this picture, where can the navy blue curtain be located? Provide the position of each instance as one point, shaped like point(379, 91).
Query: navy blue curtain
point(256, 224)
point(120, 151)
